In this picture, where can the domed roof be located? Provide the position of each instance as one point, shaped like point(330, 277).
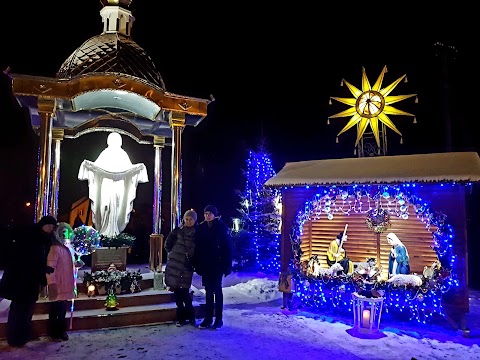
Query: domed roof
point(109, 82)
point(111, 53)
point(124, 3)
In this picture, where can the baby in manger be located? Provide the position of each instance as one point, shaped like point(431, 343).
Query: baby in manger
point(367, 269)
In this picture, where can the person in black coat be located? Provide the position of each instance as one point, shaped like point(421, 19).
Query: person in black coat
point(25, 272)
point(180, 246)
point(213, 260)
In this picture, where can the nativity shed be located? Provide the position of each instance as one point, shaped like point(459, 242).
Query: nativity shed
point(421, 197)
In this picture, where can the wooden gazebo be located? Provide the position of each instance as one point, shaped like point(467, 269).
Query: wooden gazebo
point(108, 84)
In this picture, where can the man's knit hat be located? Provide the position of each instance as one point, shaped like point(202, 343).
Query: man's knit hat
point(212, 209)
point(190, 213)
point(340, 236)
point(47, 220)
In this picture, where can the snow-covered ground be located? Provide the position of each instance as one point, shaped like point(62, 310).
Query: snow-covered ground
point(256, 328)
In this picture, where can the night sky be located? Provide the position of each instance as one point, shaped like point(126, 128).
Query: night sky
point(271, 71)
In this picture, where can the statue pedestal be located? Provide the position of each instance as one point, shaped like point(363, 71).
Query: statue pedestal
point(103, 257)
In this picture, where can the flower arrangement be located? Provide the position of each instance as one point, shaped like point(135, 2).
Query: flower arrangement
point(117, 241)
point(128, 281)
point(131, 281)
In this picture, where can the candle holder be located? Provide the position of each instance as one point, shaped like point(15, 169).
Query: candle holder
point(367, 312)
point(91, 290)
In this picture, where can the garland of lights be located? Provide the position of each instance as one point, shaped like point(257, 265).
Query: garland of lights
point(85, 239)
point(421, 302)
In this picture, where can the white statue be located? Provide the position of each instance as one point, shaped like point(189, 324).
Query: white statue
point(112, 186)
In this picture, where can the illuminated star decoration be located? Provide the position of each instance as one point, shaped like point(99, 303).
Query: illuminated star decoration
point(371, 105)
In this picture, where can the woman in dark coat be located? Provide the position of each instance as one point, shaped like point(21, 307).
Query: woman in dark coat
point(25, 272)
point(180, 245)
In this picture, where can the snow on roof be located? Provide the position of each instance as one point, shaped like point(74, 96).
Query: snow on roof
point(437, 167)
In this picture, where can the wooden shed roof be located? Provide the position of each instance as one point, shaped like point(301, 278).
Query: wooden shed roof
point(435, 168)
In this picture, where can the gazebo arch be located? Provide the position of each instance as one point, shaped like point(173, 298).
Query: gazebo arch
point(109, 83)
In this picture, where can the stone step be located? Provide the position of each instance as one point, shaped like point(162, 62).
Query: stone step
point(146, 307)
point(102, 318)
point(144, 297)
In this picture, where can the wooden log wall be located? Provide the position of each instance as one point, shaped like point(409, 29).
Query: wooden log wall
point(363, 243)
point(292, 201)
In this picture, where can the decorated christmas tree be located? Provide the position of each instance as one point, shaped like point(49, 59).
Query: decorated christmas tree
point(260, 214)
point(244, 256)
point(111, 302)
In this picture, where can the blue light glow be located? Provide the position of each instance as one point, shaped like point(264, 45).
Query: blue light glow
point(421, 303)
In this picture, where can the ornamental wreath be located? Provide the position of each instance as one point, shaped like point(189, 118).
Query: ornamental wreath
point(378, 220)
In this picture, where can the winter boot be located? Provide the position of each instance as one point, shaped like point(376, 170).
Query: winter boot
point(192, 320)
point(181, 317)
point(206, 323)
point(190, 315)
point(217, 324)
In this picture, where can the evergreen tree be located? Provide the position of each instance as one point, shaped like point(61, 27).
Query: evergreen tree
point(260, 214)
point(244, 257)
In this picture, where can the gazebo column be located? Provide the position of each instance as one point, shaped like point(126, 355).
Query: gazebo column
point(57, 135)
point(45, 110)
point(177, 124)
point(156, 239)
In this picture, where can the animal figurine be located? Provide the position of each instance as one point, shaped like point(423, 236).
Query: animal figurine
point(304, 267)
point(367, 270)
point(313, 264)
point(315, 269)
point(374, 273)
point(332, 271)
point(402, 280)
point(364, 267)
point(429, 272)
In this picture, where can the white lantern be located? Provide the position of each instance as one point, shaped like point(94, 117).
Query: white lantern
point(367, 313)
point(236, 224)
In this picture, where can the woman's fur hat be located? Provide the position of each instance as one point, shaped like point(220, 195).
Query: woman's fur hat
point(190, 213)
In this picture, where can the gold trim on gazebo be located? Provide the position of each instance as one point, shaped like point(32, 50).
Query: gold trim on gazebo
point(109, 84)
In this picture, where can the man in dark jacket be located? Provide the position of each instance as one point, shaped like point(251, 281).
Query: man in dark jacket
point(25, 271)
point(213, 260)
